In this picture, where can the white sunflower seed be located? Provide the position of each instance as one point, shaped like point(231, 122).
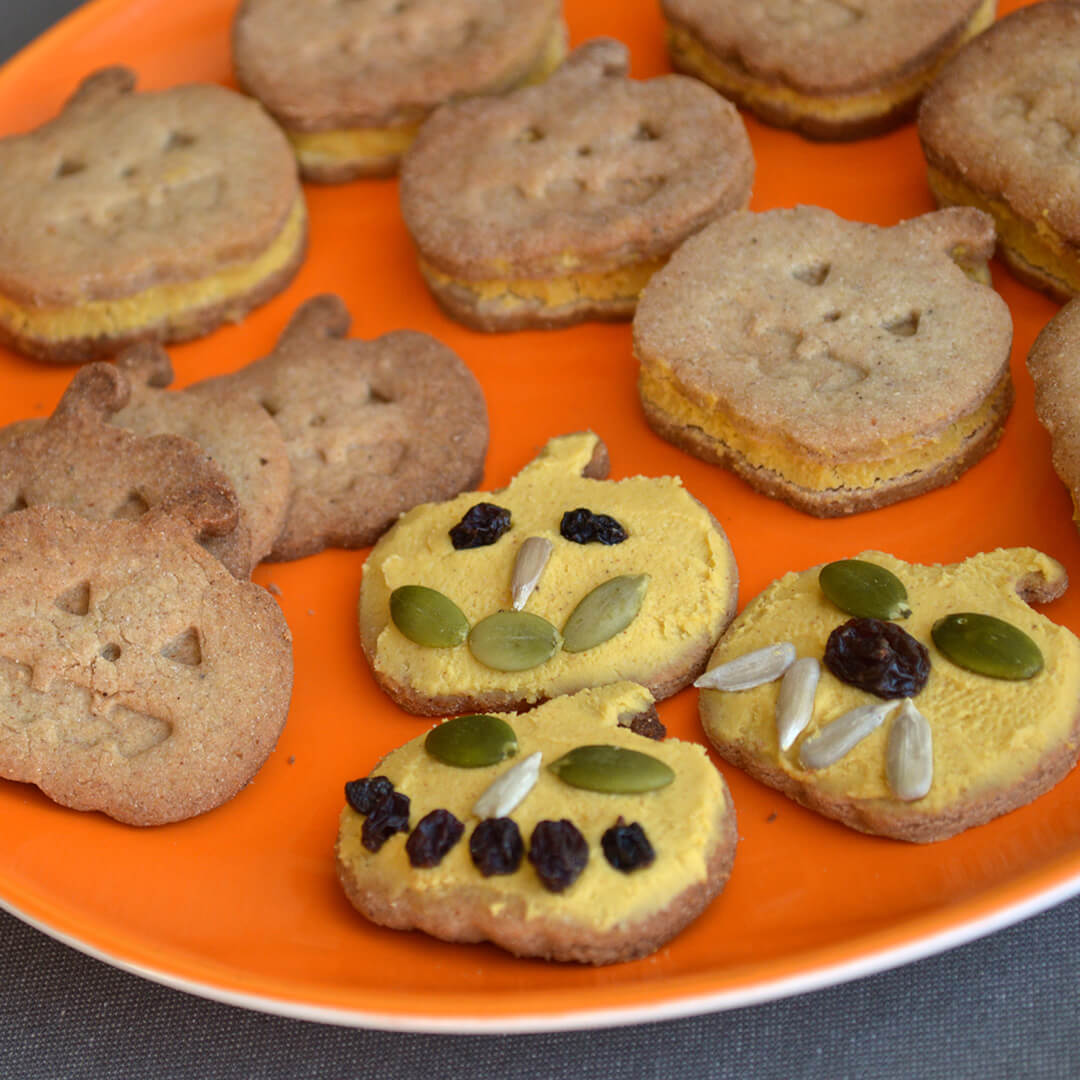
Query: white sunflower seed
point(795, 704)
point(529, 565)
point(909, 758)
point(509, 788)
point(752, 669)
point(839, 736)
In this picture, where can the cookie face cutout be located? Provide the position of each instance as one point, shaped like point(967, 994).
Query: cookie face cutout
point(999, 132)
point(555, 203)
point(78, 461)
point(993, 743)
point(351, 83)
point(137, 676)
point(675, 589)
point(604, 913)
point(152, 215)
point(236, 433)
point(829, 68)
point(835, 365)
point(371, 427)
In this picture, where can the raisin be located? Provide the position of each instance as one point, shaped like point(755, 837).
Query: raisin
point(584, 527)
point(362, 795)
point(559, 853)
point(496, 846)
point(878, 657)
point(647, 724)
point(387, 816)
point(627, 847)
point(435, 834)
point(482, 524)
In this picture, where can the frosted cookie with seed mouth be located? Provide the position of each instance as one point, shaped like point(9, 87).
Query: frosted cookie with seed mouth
point(834, 365)
point(923, 700)
point(558, 833)
point(136, 216)
point(137, 677)
point(371, 428)
point(555, 204)
point(77, 460)
point(831, 69)
point(999, 131)
point(351, 83)
point(558, 582)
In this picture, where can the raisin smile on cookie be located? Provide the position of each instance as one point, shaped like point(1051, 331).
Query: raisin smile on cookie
point(558, 582)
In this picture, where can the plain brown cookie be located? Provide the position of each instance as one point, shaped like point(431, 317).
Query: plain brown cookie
point(555, 203)
point(994, 743)
point(235, 431)
point(834, 365)
point(350, 83)
point(371, 427)
point(77, 460)
point(1054, 364)
point(143, 216)
point(605, 914)
point(999, 131)
point(831, 69)
point(137, 677)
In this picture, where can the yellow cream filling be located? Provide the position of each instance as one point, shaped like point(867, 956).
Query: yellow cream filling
point(1037, 242)
point(987, 733)
point(160, 303)
point(680, 819)
point(730, 78)
point(892, 460)
point(672, 538)
point(346, 145)
point(622, 283)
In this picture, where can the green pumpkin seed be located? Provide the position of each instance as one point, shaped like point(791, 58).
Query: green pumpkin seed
point(864, 589)
point(987, 645)
point(514, 640)
point(612, 769)
point(427, 617)
point(610, 607)
point(471, 741)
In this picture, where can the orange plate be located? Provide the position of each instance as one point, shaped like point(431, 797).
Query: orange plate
point(242, 904)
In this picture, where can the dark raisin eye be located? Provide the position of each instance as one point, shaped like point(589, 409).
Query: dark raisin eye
point(582, 526)
point(627, 847)
point(363, 794)
point(482, 524)
point(435, 834)
point(879, 657)
point(496, 846)
point(387, 816)
point(558, 853)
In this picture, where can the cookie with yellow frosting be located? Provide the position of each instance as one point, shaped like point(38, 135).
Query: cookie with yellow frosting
point(543, 866)
point(582, 580)
point(555, 203)
point(77, 460)
point(990, 734)
point(135, 216)
point(835, 365)
point(351, 83)
point(998, 129)
point(371, 428)
point(830, 69)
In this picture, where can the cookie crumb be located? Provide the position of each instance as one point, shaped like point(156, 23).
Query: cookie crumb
point(273, 589)
point(291, 760)
point(771, 818)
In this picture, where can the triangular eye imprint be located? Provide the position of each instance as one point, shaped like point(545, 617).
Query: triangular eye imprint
point(19, 503)
point(184, 648)
point(813, 273)
point(76, 600)
point(904, 325)
point(132, 508)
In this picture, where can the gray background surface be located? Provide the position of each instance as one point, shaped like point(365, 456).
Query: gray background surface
point(1007, 1006)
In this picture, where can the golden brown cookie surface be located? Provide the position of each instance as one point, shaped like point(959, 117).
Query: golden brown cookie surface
point(137, 676)
point(554, 203)
point(603, 913)
point(371, 428)
point(135, 215)
point(829, 68)
point(832, 364)
point(998, 131)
